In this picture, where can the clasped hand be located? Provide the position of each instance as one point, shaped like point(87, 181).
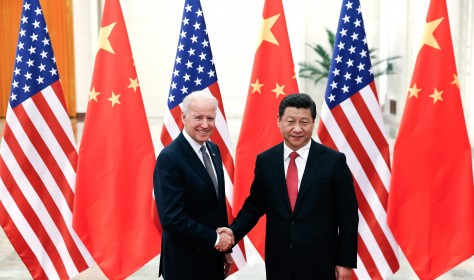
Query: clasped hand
point(226, 239)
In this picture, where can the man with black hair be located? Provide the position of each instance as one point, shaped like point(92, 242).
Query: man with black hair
point(306, 191)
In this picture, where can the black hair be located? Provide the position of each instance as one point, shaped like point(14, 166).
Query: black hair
point(298, 100)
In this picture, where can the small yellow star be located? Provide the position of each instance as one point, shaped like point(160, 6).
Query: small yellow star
point(134, 84)
point(93, 94)
point(414, 91)
point(428, 36)
point(114, 99)
point(266, 33)
point(279, 90)
point(437, 96)
point(455, 81)
point(104, 42)
point(256, 87)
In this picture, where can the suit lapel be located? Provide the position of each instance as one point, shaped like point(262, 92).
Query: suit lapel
point(315, 159)
point(193, 159)
point(279, 174)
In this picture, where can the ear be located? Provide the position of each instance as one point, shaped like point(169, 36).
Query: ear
point(278, 121)
point(183, 117)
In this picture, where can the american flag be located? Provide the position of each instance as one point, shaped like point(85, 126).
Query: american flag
point(38, 159)
point(351, 122)
point(194, 70)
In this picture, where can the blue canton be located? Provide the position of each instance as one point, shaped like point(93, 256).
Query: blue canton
point(351, 69)
point(194, 68)
point(35, 66)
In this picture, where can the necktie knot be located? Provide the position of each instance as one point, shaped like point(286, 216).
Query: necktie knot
point(293, 155)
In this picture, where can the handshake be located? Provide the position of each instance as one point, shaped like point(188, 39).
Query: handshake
point(226, 239)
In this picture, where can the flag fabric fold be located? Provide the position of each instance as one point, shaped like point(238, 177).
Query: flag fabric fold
point(38, 159)
point(114, 202)
point(273, 77)
point(352, 122)
point(194, 70)
point(431, 202)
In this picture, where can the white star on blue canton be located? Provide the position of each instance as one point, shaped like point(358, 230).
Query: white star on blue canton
point(193, 48)
point(345, 78)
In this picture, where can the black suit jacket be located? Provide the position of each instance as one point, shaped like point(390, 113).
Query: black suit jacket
point(190, 212)
point(321, 232)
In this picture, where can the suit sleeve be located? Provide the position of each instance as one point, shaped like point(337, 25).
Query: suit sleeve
point(347, 214)
point(253, 208)
point(169, 195)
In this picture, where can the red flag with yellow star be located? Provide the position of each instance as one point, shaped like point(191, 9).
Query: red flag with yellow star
point(431, 200)
point(273, 77)
point(113, 202)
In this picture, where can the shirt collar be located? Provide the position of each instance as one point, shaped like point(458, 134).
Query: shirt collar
point(302, 152)
point(194, 144)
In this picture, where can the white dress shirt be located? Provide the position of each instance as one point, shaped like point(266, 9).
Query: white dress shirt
point(300, 161)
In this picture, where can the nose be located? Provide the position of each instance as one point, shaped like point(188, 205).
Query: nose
point(297, 128)
point(205, 122)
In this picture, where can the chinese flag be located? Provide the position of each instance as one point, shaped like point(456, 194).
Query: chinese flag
point(113, 202)
point(431, 200)
point(273, 77)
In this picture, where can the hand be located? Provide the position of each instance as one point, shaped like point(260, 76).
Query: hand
point(343, 273)
point(226, 239)
point(226, 230)
point(229, 261)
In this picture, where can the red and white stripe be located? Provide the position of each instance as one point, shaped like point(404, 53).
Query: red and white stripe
point(172, 126)
point(356, 128)
point(37, 177)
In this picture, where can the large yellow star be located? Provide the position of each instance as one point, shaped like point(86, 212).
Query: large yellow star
point(115, 99)
point(414, 91)
point(428, 36)
point(266, 32)
point(104, 42)
point(455, 81)
point(437, 96)
point(134, 84)
point(256, 87)
point(279, 90)
point(93, 94)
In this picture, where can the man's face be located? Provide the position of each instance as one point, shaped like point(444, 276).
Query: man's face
point(200, 120)
point(296, 127)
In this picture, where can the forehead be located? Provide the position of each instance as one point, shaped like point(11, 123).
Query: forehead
point(297, 112)
point(202, 107)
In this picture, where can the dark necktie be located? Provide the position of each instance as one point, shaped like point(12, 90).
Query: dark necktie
point(208, 165)
point(292, 180)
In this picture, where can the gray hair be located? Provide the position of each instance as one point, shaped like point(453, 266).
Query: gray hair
point(198, 95)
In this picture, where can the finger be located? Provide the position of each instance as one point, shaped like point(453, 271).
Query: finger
point(226, 270)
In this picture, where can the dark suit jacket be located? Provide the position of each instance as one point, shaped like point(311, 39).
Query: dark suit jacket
point(189, 211)
point(321, 232)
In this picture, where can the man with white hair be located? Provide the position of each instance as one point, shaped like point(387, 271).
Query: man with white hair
point(190, 197)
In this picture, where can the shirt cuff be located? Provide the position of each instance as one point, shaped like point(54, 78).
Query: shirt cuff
point(217, 240)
